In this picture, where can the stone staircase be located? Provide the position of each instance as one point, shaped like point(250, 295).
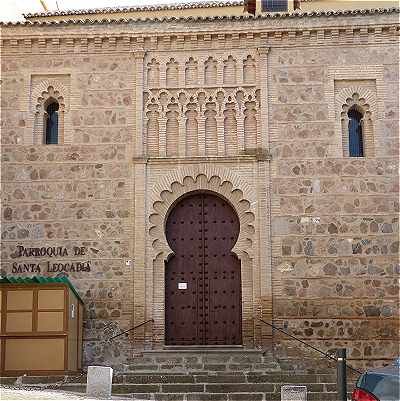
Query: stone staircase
point(204, 375)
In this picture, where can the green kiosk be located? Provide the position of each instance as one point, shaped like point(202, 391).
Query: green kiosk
point(40, 326)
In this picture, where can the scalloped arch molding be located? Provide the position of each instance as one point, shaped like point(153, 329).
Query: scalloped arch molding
point(43, 87)
point(366, 94)
point(250, 94)
point(207, 178)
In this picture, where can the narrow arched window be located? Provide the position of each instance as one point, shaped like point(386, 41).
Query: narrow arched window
point(51, 123)
point(356, 148)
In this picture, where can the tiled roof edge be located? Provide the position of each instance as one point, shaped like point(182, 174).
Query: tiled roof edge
point(295, 14)
point(156, 7)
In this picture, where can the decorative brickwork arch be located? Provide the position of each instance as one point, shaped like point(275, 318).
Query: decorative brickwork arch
point(192, 179)
point(41, 94)
point(364, 94)
point(40, 90)
point(171, 188)
point(364, 100)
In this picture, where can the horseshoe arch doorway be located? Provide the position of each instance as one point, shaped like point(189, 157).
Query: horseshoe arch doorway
point(203, 304)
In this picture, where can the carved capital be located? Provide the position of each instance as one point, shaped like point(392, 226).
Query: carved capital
point(263, 51)
point(139, 54)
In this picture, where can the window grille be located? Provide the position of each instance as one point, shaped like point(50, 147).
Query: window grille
point(274, 5)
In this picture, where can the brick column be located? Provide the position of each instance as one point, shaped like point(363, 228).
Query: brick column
point(163, 74)
point(263, 79)
point(220, 72)
point(139, 246)
point(139, 207)
point(264, 195)
point(220, 134)
point(202, 134)
point(139, 72)
point(162, 121)
point(182, 135)
point(240, 130)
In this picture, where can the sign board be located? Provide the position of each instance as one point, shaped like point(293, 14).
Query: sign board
point(182, 286)
point(52, 260)
point(293, 393)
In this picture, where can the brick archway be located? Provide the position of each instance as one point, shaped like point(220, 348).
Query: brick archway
point(242, 199)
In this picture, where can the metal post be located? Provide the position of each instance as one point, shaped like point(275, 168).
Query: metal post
point(341, 374)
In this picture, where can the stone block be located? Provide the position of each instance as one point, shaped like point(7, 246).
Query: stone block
point(157, 378)
point(169, 397)
point(7, 381)
point(136, 388)
point(99, 382)
point(182, 388)
point(206, 397)
point(246, 397)
point(143, 367)
point(220, 378)
point(217, 358)
point(215, 367)
point(240, 388)
point(40, 380)
point(247, 359)
point(293, 393)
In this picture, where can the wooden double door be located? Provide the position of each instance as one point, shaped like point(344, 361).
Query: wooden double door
point(202, 279)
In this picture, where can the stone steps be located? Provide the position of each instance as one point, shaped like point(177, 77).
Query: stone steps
point(204, 378)
point(220, 360)
point(196, 375)
point(160, 387)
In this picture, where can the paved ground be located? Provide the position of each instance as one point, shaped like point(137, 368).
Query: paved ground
point(8, 393)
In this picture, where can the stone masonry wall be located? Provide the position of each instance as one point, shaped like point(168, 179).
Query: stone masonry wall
point(76, 194)
point(335, 219)
point(324, 243)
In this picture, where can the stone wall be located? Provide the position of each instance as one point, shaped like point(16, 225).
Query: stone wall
point(334, 218)
point(76, 194)
point(256, 116)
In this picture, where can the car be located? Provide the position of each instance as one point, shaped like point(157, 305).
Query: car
point(379, 384)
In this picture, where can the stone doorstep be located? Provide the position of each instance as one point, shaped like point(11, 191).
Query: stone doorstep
point(7, 381)
point(230, 397)
point(208, 397)
point(217, 377)
point(227, 397)
point(200, 397)
point(43, 380)
point(194, 355)
point(202, 348)
point(195, 388)
point(174, 378)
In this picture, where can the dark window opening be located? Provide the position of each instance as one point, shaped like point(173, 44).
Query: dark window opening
point(356, 148)
point(274, 5)
point(52, 123)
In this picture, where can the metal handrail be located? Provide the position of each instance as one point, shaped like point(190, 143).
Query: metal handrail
point(131, 329)
point(308, 345)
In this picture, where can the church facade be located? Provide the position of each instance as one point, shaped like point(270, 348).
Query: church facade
point(193, 177)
